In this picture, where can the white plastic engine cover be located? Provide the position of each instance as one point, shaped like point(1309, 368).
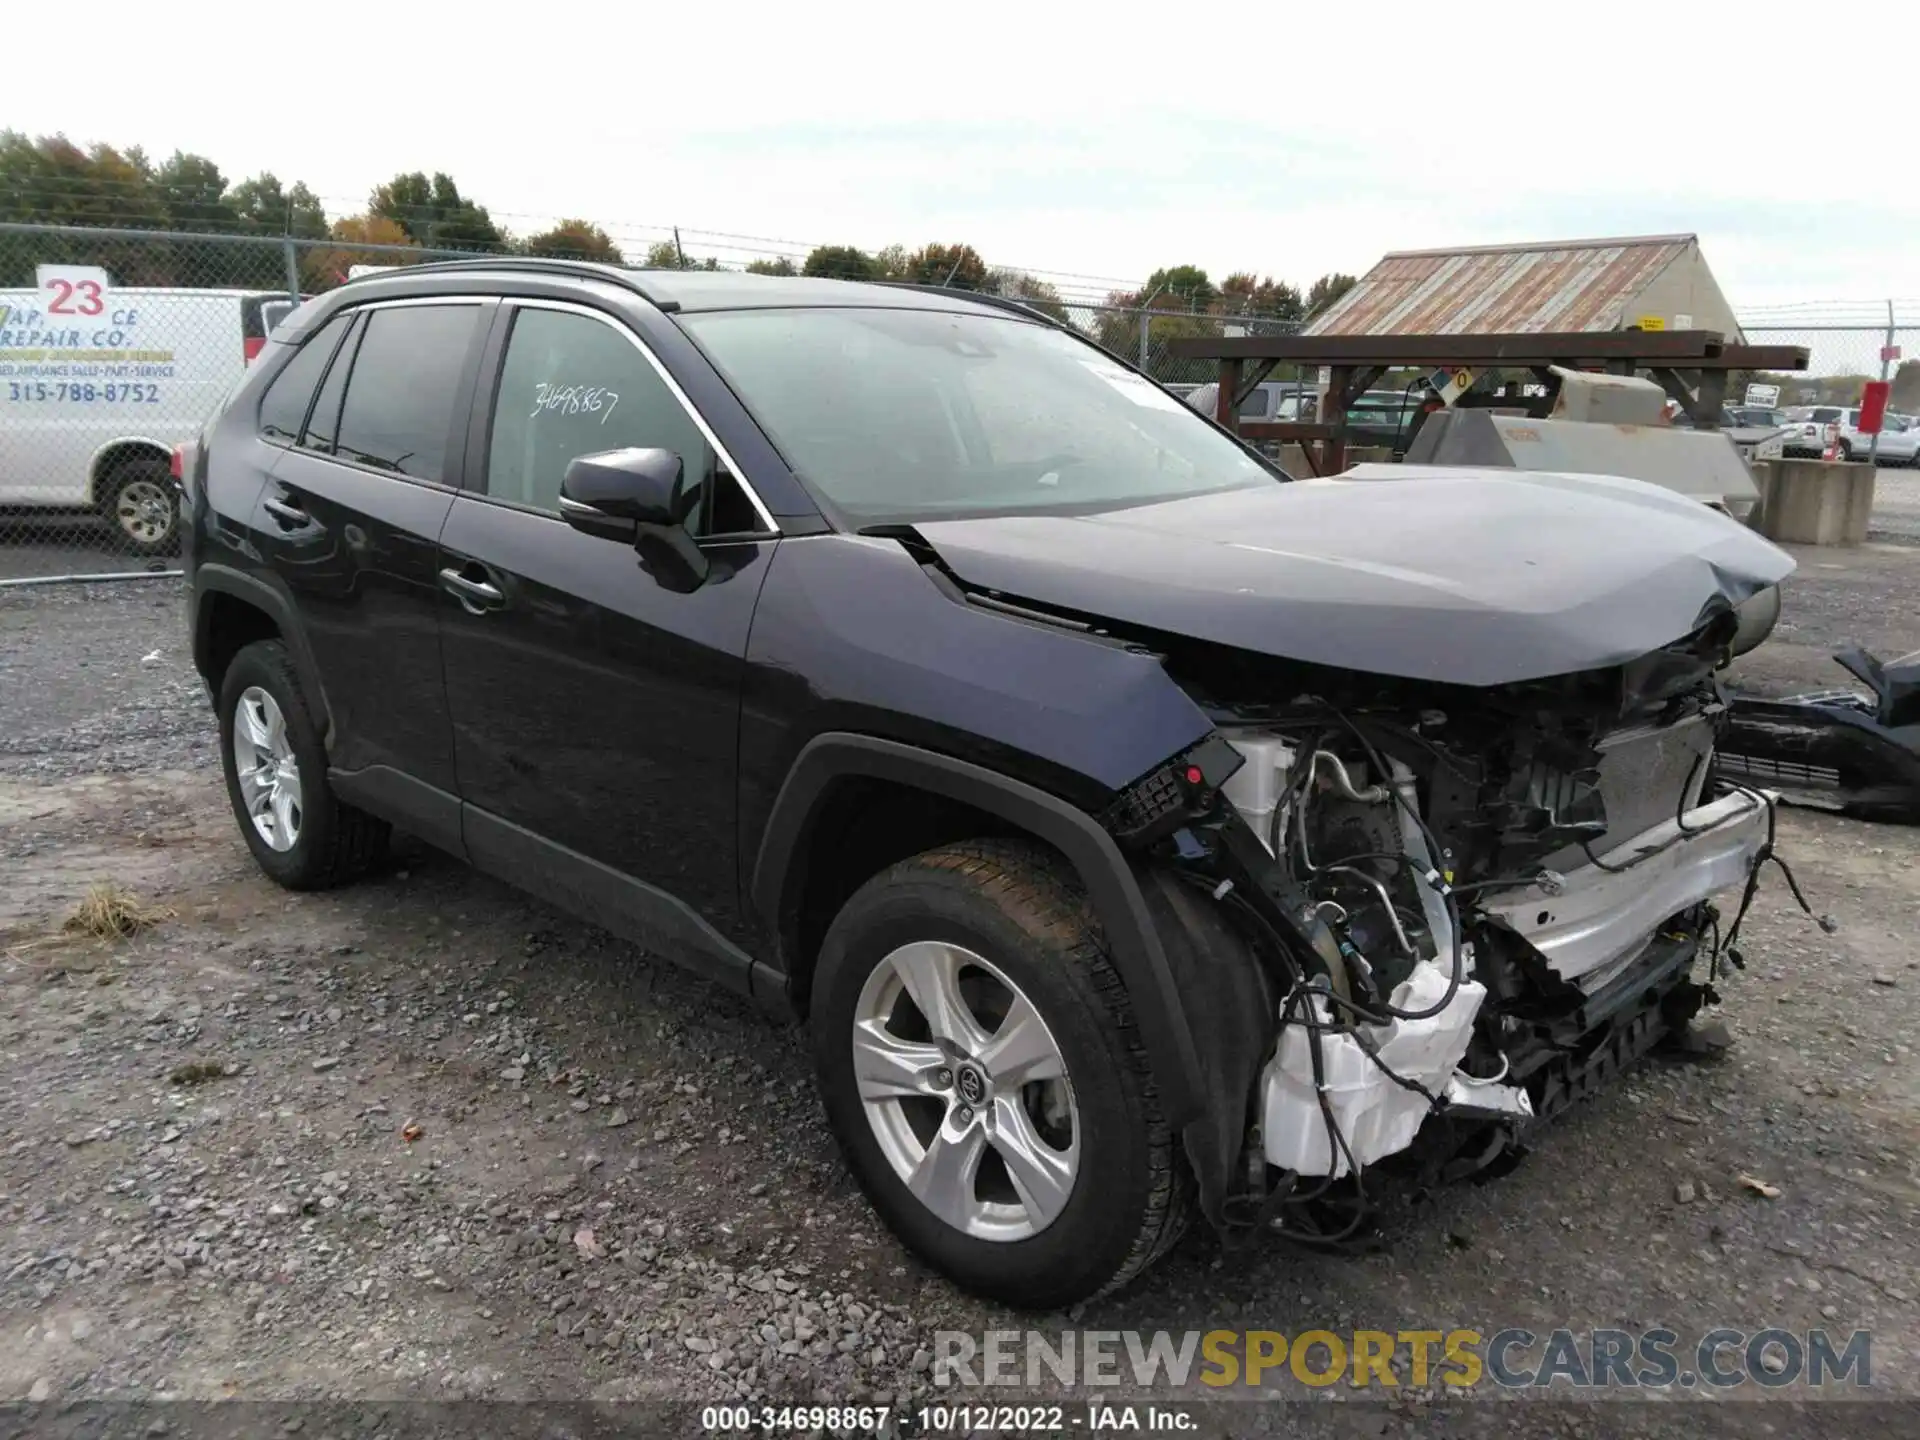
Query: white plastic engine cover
point(1376, 1116)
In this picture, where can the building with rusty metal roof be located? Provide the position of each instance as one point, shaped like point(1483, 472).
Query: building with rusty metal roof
point(1650, 282)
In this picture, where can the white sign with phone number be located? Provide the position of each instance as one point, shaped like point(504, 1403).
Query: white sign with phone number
point(76, 344)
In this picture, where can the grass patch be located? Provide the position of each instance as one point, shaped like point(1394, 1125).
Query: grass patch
point(111, 913)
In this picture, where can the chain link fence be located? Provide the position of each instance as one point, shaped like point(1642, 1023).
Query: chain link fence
point(116, 344)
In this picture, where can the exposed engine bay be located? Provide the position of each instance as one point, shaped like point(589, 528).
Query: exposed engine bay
point(1472, 905)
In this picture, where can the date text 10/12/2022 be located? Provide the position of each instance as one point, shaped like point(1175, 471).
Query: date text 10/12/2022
point(1088, 1418)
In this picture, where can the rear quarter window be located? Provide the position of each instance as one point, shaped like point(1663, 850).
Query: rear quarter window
point(283, 409)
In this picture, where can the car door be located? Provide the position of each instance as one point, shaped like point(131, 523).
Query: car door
point(350, 521)
point(596, 705)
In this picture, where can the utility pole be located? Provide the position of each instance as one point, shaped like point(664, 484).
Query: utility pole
point(1146, 317)
point(1886, 359)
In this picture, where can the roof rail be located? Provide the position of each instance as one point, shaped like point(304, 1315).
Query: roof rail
point(581, 269)
point(999, 302)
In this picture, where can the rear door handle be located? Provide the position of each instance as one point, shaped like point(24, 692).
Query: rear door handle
point(475, 595)
point(286, 512)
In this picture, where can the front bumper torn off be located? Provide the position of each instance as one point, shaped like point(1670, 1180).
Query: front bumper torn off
point(1591, 925)
point(1592, 922)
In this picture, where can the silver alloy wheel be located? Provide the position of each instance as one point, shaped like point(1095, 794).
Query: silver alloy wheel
point(269, 774)
point(142, 508)
point(966, 1091)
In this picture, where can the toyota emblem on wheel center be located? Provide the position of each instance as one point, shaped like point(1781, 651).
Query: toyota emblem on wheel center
point(973, 1086)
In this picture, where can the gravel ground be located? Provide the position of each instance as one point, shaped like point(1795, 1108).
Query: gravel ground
point(426, 1139)
point(1896, 506)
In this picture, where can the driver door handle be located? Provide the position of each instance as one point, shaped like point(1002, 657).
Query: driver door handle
point(476, 595)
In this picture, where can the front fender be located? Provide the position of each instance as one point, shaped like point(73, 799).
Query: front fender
point(1133, 939)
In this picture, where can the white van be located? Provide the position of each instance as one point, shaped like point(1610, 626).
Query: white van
point(98, 383)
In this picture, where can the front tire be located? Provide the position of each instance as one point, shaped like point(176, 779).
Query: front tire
point(983, 1072)
point(142, 507)
point(276, 769)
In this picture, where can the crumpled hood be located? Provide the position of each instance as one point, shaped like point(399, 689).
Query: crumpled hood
point(1467, 576)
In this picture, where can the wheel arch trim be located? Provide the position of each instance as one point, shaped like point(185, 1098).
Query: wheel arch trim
point(213, 578)
point(1132, 938)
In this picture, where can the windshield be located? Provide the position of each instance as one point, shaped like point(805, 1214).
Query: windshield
point(918, 414)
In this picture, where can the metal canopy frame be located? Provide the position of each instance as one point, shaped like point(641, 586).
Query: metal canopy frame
point(1690, 365)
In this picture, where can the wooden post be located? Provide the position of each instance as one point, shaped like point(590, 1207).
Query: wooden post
point(1224, 410)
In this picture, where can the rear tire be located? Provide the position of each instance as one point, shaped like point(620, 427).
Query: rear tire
point(276, 769)
point(1010, 924)
point(141, 505)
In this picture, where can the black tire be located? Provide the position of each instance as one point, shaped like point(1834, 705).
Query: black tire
point(1020, 907)
point(334, 842)
point(1846, 450)
point(141, 506)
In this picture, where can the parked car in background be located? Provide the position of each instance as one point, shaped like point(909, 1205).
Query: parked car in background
point(1386, 418)
point(1270, 400)
point(1899, 444)
point(1138, 835)
point(99, 382)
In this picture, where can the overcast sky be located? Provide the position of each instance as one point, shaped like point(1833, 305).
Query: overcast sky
point(1090, 140)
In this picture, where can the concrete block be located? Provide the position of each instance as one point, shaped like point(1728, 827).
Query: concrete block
point(1813, 502)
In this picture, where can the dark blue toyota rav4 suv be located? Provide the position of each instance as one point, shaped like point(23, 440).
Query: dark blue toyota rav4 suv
point(1136, 832)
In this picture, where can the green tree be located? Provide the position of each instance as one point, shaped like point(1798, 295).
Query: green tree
point(52, 181)
point(1327, 289)
point(1242, 294)
point(667, 255)
point(1117, 327)
point(575, 240)
point(322, 269)
point(263, 205)
point(957, 266)
point(1181, 287)
point(193, 195)
point(779, 265)
point(839, 262)
point(891, 263)
point(1018, 285)
point(433, 212)
point(1905, 395)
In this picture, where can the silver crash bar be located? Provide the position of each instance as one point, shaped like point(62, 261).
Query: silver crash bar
point(1594, 919)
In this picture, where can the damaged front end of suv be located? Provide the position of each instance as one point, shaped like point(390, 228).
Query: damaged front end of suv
point(1472, 870)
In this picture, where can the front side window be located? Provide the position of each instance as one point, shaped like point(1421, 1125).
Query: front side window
point(905, 414)
point(572, 385)
point(398, 409)
point(284, 406)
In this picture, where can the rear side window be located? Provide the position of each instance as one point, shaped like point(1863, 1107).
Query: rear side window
point(284, 406)
point(398, 410)
point(1824, 414)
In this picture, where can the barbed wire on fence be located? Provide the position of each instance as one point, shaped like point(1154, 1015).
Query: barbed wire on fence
point(95, 391)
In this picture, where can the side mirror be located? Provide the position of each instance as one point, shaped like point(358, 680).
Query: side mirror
point(614, 492)
point(637, 496)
